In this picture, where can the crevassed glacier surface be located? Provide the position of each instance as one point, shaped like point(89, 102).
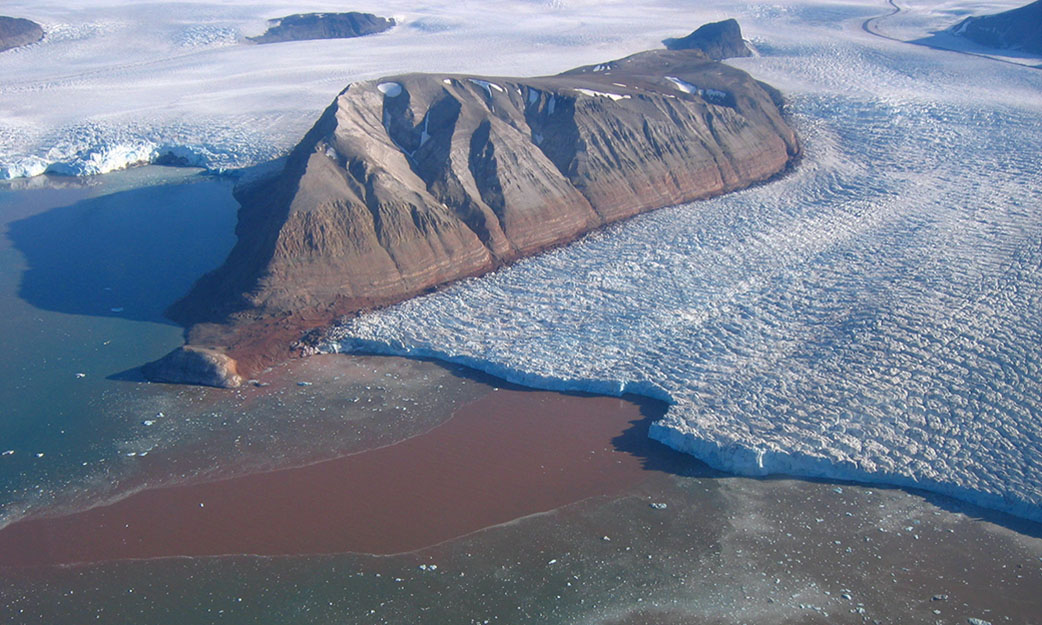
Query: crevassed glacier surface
point(872, 316)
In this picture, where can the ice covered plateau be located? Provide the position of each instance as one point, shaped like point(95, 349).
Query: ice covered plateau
point(115, 84)
point(874, 316)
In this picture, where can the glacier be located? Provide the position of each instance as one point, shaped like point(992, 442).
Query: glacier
point(873, 316)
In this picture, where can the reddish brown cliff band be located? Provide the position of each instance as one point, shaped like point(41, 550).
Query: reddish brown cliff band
point(414, 181)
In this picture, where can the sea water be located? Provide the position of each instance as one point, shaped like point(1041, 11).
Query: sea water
point(87, 268)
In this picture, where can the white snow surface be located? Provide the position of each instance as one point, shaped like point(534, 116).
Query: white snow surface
point(115, 83)
point(601, 94)
point(872, 316)
point(390, 89)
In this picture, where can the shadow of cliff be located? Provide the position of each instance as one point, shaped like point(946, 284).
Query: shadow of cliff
point(127, 255)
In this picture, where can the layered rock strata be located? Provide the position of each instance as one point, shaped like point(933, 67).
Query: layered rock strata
point(413, 181)
point(16, 32)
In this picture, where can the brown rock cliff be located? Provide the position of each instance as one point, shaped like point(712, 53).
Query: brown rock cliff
point(412, 181)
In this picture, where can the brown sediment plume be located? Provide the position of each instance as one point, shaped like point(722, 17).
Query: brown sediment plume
point(507, 455)
point(415, 181)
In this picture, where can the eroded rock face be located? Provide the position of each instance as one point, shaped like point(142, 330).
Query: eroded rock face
point(719, 40)
point(1018, 29)
point(304, 26)
point(413, 181)
point(195, 365)
point(16, 32)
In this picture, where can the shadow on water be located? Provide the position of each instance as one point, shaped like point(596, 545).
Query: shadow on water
point(127, 255)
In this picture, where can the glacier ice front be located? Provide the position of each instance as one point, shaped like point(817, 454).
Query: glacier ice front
point(874, 316)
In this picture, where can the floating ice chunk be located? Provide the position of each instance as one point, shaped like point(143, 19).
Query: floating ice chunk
point(80, 375)
point(390, 89)
point(9, 452)
point(600, 94)
point(148, 422)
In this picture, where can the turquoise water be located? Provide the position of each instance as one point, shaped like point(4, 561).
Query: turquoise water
point(86, 270)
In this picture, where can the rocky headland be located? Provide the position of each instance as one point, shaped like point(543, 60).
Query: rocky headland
point(1017, 29)
point(304, 26)
point(410, 182)
point(16, 32)
point(718, 40)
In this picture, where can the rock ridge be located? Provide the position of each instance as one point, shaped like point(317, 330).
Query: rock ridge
point(305, 26)
point(719, 41)
point(16, 32)
point(413, 181)
point(1016, 29)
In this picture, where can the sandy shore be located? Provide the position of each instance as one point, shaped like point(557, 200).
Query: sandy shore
point(509, 454)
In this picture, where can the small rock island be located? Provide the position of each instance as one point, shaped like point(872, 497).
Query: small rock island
point(16, 32)
point(410, 182)
point(305, 26)
point(719, 41)
point(1017, 29)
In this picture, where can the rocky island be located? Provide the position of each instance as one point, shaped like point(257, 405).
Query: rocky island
point(1017, 29)
point(410, 182)
point(305, 26)
point(16, 32)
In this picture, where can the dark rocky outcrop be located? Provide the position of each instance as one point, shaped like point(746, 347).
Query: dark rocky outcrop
point(413, 181)
point(719, 40)
point(303, 26)
point(16, 32)
point(1018, 29)
point(195, 365)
